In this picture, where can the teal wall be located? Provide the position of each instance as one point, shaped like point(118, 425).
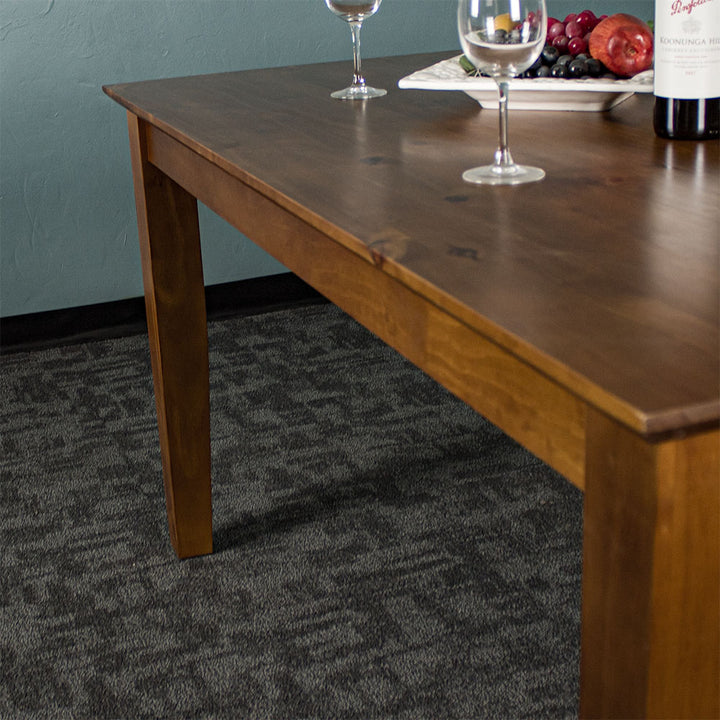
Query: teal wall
point(67, 220)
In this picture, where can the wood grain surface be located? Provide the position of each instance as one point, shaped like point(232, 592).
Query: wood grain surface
point(604, 276)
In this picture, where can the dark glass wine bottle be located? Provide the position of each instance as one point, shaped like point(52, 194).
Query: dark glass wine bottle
point(687, 83)
point(682, 119)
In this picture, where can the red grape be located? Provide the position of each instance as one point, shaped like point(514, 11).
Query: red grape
point(561, 43)
point(570, 18)
point(587, 18)
point(577, 45)
point(551, 21)
point(557, 29)
point(574, 29)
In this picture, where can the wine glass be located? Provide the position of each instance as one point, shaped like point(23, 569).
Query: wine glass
point(502, 38)
point(354, 12)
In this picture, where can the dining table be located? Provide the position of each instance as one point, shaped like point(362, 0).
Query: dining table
point(579, 314)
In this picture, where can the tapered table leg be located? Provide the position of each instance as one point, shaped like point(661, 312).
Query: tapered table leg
point(651, 569)
point(177, 327)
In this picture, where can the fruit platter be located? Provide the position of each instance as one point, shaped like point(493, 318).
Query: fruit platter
point(587, 94)
point(588, 64)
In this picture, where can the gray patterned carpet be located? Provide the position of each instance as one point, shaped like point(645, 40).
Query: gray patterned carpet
point(381, 550)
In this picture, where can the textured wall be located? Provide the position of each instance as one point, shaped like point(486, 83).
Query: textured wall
point(67, 223)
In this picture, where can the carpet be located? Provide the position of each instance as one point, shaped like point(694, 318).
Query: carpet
point(381, 551)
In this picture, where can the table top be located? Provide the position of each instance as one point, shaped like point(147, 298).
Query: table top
point(605, 276)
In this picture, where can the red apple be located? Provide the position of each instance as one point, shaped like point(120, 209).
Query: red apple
point(623, 43)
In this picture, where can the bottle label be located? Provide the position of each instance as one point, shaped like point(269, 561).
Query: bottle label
point(687, 49)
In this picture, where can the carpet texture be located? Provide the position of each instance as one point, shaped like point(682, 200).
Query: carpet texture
point(381, 550)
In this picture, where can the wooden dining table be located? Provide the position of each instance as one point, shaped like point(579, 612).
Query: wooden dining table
point(579, 314)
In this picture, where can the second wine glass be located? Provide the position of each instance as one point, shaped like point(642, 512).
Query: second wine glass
point(502, 38)
point(354, 12)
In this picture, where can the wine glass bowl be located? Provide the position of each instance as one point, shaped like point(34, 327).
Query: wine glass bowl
point(354, 12)
point(502, 38)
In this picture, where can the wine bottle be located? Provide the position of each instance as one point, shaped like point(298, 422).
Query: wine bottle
point(687, 81)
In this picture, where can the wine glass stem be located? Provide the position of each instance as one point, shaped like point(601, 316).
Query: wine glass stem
point(358, 79)
point(502, 154)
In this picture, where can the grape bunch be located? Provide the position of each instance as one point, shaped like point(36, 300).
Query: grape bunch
point(572, 35)
point(566, 53)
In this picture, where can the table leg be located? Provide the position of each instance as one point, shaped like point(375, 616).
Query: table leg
point(651, 569)
point(177, 328)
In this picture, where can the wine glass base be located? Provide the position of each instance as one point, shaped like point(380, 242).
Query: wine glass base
point(358, 92)
point(497, 175)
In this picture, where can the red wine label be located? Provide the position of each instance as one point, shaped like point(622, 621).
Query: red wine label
point(687, 48)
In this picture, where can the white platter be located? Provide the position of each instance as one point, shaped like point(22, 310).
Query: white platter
point(585, 95)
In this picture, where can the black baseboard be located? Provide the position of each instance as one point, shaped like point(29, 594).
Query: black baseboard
point(19, 333)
